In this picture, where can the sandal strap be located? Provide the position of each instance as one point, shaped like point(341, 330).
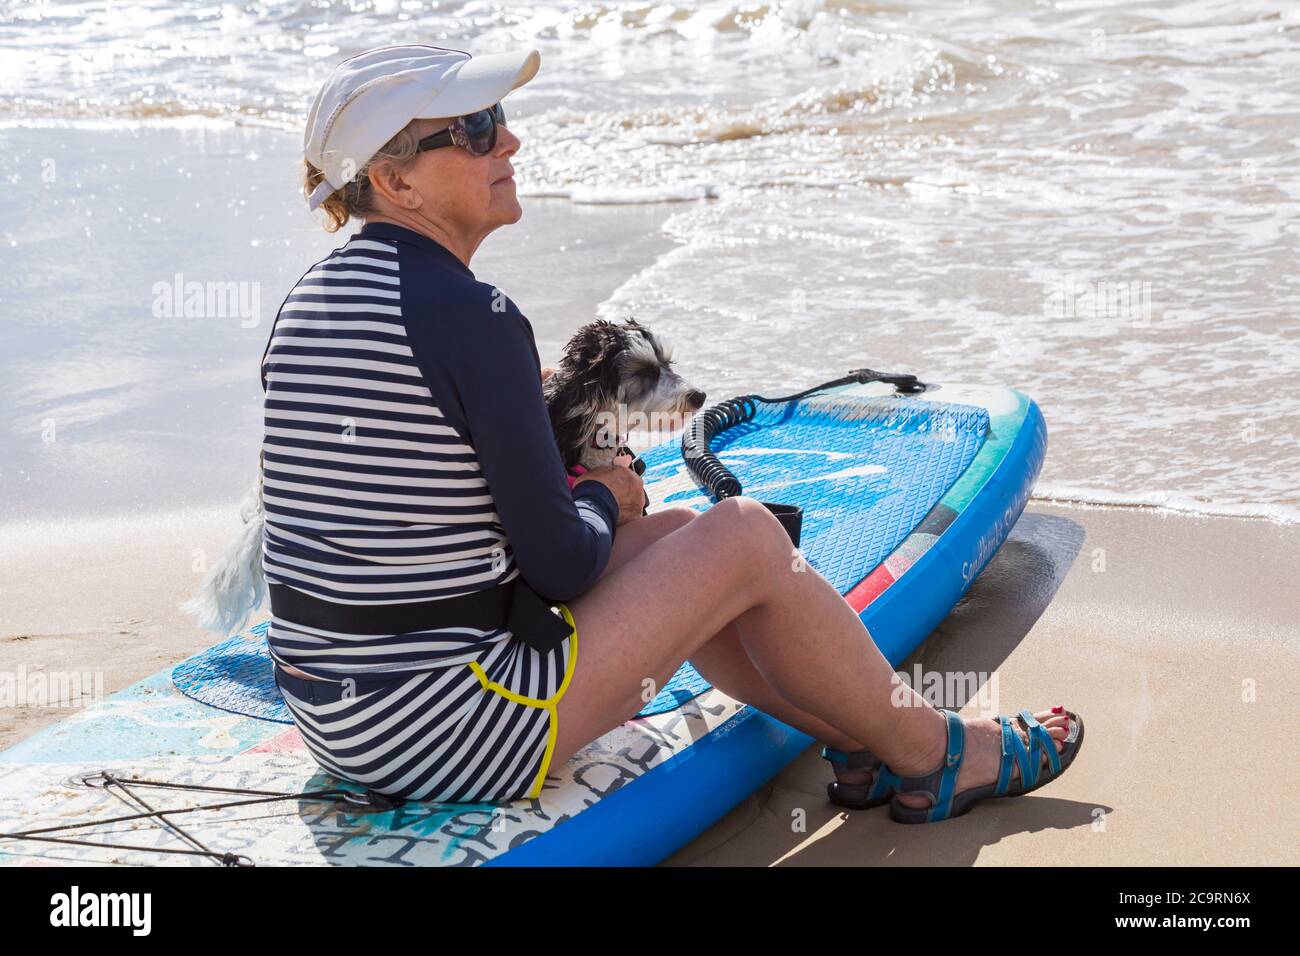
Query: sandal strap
point(1010, 748)
point(1040, 742)
point(940, 784)
point(877, 789)
point(886, 782)
point(852, 760)
point(952, 764)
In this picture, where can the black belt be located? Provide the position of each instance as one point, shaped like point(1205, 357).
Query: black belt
point(513, 606)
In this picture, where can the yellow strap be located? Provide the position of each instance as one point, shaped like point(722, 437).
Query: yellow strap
point(547, 704)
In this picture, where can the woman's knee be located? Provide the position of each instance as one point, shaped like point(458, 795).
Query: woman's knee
point(745, 526)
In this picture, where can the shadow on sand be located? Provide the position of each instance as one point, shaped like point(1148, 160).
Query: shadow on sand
point(980, 633)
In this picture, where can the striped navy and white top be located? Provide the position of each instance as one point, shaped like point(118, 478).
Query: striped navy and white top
point(408, 455)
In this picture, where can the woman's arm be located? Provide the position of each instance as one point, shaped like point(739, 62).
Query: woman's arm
point(486, 376)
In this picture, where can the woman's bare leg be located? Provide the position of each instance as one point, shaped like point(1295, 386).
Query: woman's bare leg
point(722, 659)
point(735, 563)
point(641, 620)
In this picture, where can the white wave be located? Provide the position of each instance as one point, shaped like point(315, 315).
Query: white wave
point(1165, 501)
point(624, 195)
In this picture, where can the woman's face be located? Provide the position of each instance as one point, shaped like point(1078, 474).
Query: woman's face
point(464, 194)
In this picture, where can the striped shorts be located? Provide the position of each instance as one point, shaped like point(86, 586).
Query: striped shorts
point(476, 732)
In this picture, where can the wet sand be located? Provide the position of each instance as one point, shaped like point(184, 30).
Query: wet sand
point(112, 409)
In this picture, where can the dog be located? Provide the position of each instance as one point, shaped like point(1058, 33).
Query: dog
point(612, 377)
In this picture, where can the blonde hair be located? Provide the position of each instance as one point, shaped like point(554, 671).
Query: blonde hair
point(357, 198)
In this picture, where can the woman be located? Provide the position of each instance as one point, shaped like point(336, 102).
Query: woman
point(411, 478)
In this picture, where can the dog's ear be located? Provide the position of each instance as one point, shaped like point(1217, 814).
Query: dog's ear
point(591, 360)
point(591, 345)
point(585, 385)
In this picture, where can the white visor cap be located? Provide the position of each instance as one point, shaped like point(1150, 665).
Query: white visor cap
point(369, 97)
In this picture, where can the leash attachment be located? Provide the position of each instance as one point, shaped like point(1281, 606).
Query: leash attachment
point(708, 424)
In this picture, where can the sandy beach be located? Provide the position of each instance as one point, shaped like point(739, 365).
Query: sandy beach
point(1179, 654)
point(923, 193)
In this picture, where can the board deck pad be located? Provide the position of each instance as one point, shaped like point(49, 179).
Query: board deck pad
point(865, 472)
point(897, 492)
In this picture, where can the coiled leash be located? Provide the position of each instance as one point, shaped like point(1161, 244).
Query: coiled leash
point(719, 480)
point(366, 802)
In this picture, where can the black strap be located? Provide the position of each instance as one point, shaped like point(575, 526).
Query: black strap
point(484, 609)
point(514, 606)
point(902, 382)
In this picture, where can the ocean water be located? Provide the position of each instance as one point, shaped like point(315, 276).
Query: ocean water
point(1093, 201)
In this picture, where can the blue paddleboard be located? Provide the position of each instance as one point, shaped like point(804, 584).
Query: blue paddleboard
point(905, 499)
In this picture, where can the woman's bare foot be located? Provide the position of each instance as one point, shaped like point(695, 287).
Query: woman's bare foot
point(983, 757)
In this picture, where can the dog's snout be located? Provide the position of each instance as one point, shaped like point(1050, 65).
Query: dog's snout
point(695, 398)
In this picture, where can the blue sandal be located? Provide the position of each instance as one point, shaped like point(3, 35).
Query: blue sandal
point(939, 784)
point(859, 796)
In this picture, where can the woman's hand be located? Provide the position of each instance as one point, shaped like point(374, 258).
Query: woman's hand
point(626, 484)
point(547, 373)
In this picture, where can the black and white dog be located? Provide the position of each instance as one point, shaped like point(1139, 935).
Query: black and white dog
point(612, 378)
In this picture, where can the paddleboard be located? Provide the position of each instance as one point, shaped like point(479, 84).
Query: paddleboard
point(905, 498)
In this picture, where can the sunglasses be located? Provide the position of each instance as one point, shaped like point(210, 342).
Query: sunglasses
point(476, 133)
